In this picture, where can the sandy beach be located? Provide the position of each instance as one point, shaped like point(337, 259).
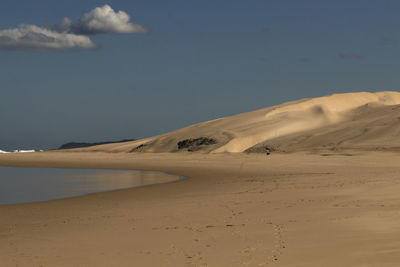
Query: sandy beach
point(199, 133)
point(298, 209)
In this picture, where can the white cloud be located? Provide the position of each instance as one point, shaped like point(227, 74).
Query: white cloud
point(64, 25)
point(31, 37)
point(104, 20)
point(68, 34)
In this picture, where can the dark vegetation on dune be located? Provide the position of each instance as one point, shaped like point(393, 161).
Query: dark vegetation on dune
point(82, 144)
point(195, 144)
point(139, 148)
point(191, 145)
point(260, 149)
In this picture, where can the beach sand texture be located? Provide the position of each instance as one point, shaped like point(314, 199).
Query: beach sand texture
point(332, 201)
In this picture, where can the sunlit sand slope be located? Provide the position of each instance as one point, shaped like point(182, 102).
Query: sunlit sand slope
point(340, 121)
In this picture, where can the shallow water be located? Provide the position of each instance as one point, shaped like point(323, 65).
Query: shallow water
point(21, 185)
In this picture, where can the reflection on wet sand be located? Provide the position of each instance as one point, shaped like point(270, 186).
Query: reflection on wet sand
point(21, 185)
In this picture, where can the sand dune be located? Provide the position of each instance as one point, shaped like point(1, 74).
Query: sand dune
point(340, 121)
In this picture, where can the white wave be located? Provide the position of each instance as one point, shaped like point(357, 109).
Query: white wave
point(19, 151)
point(23, 151)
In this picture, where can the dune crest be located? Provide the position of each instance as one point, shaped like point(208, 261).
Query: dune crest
point(309, 114)
point(339, 103)
point(351, 120)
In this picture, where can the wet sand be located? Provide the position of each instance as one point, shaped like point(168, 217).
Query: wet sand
point(295, 209)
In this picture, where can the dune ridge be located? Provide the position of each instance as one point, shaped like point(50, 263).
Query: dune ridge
point(351, 120)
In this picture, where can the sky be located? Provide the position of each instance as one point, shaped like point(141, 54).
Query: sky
point(93, 70)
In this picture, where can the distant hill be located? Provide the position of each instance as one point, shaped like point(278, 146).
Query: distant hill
point(71, 145)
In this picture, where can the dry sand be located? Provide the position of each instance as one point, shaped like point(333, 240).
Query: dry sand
point(297, 209)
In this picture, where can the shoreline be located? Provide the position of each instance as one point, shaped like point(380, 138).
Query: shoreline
point(165, 178)
point(295, 209)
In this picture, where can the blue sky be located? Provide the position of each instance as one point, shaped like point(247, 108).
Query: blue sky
point(200, 61)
